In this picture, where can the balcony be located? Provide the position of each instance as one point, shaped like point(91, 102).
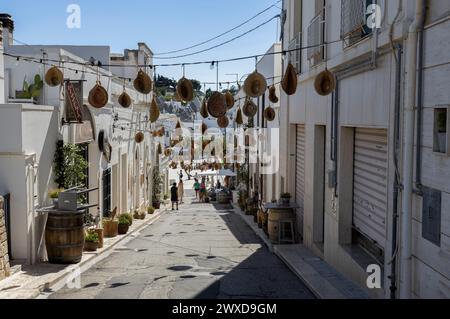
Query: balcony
point(315, 51)
point(295, 57)
point(353, 21)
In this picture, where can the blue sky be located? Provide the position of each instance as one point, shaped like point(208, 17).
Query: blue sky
point(163, 25)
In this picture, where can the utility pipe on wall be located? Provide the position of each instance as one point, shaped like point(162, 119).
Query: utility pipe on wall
point(409, 116)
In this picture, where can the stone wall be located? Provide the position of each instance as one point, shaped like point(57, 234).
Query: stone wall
point(4, 259)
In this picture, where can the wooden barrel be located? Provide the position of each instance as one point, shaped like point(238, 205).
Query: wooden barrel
point(64, 237)
point(275, 215)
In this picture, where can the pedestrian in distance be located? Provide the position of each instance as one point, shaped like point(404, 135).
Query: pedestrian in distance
point(174, 196)
point(197, 189)
point(181, 175)
point(203, 190)
point(181, 191)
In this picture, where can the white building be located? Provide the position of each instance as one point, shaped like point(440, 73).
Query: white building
point(29, 133)
point(343, 147)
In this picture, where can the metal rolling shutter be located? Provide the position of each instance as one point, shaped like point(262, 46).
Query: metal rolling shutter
point(370, 184)
point(300, 176)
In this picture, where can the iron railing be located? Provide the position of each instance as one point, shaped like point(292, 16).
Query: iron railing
point(353, 20)
point(315, 51)
point(296, 56)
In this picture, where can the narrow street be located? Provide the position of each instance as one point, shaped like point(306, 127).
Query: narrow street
point(202, 251)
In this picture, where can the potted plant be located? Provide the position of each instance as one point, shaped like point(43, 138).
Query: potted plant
point(110, 227)
point(91, 241)
point(285, 199)
point(166, 197)
point(54, 195)
point(136, 214)
point(124, 224)
point(31, 91)
point(150, 210)
point(157, 181)
point(142, 214)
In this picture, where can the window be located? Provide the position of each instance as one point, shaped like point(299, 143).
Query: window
point(441, 138)
point(353, 20)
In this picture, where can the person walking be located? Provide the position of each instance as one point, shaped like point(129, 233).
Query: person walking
point(181, 175)
point(181, 191)
point(203, 190)
point(197, 189)
point(174, 196)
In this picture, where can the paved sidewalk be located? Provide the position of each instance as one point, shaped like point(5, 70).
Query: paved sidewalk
point(32, 280)
point(321, 278)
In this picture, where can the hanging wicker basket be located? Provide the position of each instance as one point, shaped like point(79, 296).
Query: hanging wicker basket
point(269, 114)
point(54, 77)
point(255, 85)
point(229, 100)
point(204, 109)
point(154, 111)
point(273, 95)
point(223, 122)
point(125, 100)
point(250, 109)
point(185, 90)
point(98, 96)
point(289, 82)
point(239, 118)
point(325, 83)
point(217, 105)
point(143, 83)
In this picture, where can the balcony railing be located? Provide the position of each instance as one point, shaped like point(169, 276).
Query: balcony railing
point(353, 20)
point(296, 56)
point(315, 51)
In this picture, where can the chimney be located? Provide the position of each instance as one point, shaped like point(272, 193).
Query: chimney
point(8, 29)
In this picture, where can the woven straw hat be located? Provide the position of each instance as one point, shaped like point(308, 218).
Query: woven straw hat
point(159, 149)
point(249, 109)
point(230, 100)
point(98, 96)
point(273, 95)
point(217, 105)
point(204, 109)
point(143, 83)
point(154, 111)
point(269, 114)
point(125, 100)
point(325, 83)
point(239, 119)
point(255, 85)
point(54, 77)
point(167, 152)
point(185, 90)
point(223, 121)
point(139, 137)
point(289, 82)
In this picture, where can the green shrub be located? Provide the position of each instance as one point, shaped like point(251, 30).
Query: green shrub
point(92, 237)
point(125, 219)
point(54, 194)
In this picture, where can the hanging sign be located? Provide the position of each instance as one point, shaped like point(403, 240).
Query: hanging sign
point(74, 98)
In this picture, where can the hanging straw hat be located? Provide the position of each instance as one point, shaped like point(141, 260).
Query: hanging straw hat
point(204, 109)
point(269, 114)
point(98, 96)
point(154, 111)
point(255, 85)
point(325, 83)
point(223, 121)
point(125, 100)
point(239, 119)
point(273, 95)
point(230, 100)
point(143, 83)
point(250, 109)
point(139, 137)
point(217, 105)
point(54, 77)
point(289, 82)
point(185, 90)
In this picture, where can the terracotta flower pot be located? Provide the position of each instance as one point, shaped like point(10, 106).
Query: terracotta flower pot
point(99, 232)
point(123, 229)
point(90, 246)
point(111, 228)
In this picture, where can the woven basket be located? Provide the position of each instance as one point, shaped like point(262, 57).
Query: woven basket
point(325, 83)
point(289, 82)
point(154, 111)
point(125, 100)
point(217, 105)
point(229, 99)
point(54, 77)
point(269, 114)
point(239, 119)
point(255, 85)
point(98, 96)
point(250, 109)
point(273, 95)
point(223, 121)
point(139, 137)
point(185, 90)
point(143, 83)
